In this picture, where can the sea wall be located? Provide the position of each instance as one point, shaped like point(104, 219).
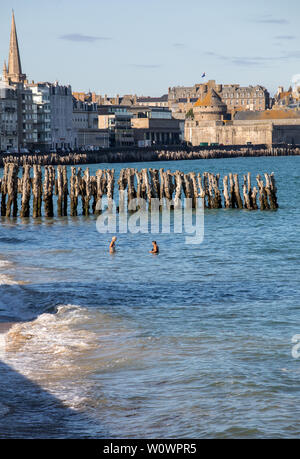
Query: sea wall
point(148, 154)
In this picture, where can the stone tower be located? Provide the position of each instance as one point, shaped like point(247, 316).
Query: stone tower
point(210, 108)
point(14, 70)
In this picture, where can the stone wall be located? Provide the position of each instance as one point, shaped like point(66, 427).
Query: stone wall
point(229, 134)
point(289, 134)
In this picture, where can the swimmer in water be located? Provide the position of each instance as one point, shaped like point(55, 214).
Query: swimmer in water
point(112, 247)
point(155, 248)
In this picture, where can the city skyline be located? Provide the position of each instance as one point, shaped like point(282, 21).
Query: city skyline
point(148, 47)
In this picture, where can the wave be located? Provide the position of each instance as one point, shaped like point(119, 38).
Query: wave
point(11, 240)
point(6, 279)
point(60, 350)
point(5, 263)
point(51, 350)
point(51, 334)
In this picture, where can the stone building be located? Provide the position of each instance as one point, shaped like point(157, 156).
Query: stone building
point(44, 109)
point(8, 117)
point(13, 76)
point(92, 97)
point(155, 125)
point(40, 94)
point(61, 103)
point(235, 97)
point(153, 101)
point(52, 106)
point(85, 126)
point(211, 125)
point(27, 118)
point(117, 120)
point(157, 131)
point(287, 99)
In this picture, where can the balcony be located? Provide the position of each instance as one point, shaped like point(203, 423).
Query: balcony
point(13, 133)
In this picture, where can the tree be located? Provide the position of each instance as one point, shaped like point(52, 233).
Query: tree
point(190, 114)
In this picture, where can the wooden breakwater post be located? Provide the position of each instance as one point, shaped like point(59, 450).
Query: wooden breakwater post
point(4, 190)
point(195, 189)
point(73, 194)
point(37, 191)
point(146, 188)
point(263, 196)
point(178, 189)
point(187, 188)
point(12, 191)
point(62, 202)
point(231, 192)
point(271, 190)
point(247, 192)
point(49, 181)
point(227, 200)
point(26, 191)
point(214, 191)
point(154, 183)
point(168, 186)
point(149, 186)
point(131, 191)
point(140, 189)
point(122, 184)
point(75, 189)
point(238, 198)
point(86, 192)
point(59, 191)
point(110, 176)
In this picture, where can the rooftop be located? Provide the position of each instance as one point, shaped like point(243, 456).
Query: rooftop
point(211, 99)
point(163, 98)
point(274, 114)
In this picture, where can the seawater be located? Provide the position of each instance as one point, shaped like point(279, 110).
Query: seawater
point(193, 343)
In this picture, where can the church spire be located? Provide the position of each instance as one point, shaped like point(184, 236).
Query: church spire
point(14, 61)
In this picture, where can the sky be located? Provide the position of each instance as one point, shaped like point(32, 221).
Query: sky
point(144, 47)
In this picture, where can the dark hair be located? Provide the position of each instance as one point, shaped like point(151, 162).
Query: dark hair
point(154, 242)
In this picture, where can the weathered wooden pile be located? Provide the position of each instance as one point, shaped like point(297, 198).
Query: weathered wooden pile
point(38, 187)
point(147, 154)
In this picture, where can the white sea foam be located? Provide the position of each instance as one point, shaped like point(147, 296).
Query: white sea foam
point(59, 351)
point(4, 263)
point(52, 334)
point(2, 345)
point(5, 279)
point(51, 351)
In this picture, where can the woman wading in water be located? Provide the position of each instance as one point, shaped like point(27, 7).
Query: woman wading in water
point(112, 247)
